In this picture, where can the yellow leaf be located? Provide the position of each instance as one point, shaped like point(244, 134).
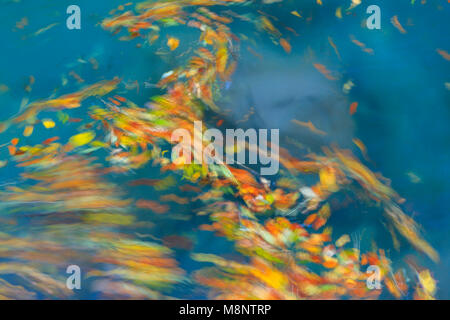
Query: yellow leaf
point(427, 282)
point(173, 43)
point(82, 138)
point(221, 60)
point(48, 123)
point(328, 180)
point(295, 13)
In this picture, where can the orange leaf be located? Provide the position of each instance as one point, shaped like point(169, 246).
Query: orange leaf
point(353, 108)
point(12, 150)
point(311, 218)
point(286, 45)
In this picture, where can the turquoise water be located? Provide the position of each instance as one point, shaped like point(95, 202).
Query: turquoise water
point(403, 114)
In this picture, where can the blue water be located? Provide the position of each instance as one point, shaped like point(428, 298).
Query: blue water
point(404, 107)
